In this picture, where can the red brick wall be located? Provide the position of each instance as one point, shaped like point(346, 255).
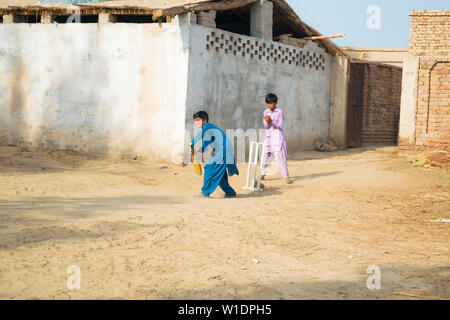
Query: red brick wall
point(381, 109)
point(429, 33)
point(433, 105)
point(430, 41)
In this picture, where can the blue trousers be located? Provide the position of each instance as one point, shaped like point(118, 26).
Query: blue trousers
point(225, 186)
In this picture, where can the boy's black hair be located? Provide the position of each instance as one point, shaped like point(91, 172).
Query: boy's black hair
point(271, 97)
point(202, 115)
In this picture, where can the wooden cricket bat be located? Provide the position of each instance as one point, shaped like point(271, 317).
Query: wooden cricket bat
point(197, 166)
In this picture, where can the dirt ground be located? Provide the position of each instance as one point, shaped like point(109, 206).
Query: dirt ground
point(136, 230)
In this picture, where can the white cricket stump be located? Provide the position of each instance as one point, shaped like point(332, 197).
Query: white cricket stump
point(253, 183)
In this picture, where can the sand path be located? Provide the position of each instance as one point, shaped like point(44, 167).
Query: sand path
point(137, 231)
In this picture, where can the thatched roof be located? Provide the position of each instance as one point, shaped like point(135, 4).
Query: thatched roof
point(144, 4)
point(283, 13)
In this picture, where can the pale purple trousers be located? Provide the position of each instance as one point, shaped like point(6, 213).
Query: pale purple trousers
point(280, 157)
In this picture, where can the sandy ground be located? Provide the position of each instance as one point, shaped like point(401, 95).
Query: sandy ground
point(137, 231)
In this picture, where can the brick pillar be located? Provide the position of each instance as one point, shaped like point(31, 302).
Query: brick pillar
point(105, 18)
point(46, 18)
point(207, 18)
point(261, 20)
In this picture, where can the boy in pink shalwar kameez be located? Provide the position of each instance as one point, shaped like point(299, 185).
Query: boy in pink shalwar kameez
point(275, 143)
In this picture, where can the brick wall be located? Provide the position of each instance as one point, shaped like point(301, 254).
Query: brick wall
point(433, 105)
point(381, 108)
point(429, 33)
point(430, 42)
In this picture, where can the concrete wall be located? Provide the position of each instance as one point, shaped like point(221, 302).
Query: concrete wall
point(114, 89)
point(230, 75)
point(339, 98)
point(407, 126)
point(121, 89)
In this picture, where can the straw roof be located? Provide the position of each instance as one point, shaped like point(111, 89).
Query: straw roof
point(148, 4)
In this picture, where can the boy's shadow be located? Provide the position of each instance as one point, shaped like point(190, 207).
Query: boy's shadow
point(315, 175)
point(267, 192)
point(275, 191)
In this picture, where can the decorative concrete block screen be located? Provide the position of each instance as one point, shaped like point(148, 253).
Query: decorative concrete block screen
point(230, 74)
point(253, 48)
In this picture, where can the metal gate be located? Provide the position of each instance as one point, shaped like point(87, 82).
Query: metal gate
point(355, 105)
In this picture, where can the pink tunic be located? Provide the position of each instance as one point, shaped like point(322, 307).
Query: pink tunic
point(275, 141)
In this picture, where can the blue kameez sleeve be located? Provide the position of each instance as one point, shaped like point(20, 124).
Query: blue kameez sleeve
point(205, 137)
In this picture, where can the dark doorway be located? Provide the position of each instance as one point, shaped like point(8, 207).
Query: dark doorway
point(355, 105)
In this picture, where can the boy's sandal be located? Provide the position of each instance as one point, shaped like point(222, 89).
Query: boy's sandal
point(202, 195)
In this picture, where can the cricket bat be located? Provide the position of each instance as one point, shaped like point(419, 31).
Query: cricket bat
point(197, 166)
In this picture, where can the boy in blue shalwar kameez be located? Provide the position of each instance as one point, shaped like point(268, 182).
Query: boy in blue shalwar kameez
point(223, 156)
